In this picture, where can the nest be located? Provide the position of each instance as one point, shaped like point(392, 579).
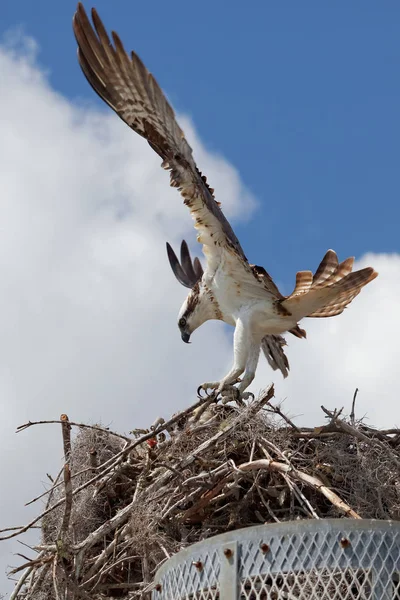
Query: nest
point(123, 505)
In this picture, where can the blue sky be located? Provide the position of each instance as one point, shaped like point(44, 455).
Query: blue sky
point(303, 98)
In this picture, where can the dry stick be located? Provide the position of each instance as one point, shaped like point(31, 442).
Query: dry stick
point(393, 431)
point(54, 486)
point(93, 468)
point(38, 561)
point(68, 503)
point(267, 506)
point(311, 480)
point(353, 406)
point(205, 499)
point(72, 423)
point(310, 435)
point(22, 556)
point(142, 476)
point(13, 528)
point(106, 466)
point(66, 435)
point(339, 425)
point(27, 546)
point(295, 488)
point(102, 557)
point(39, 580)
point(105, 569)
point(207, 477)
point(20, 583)
point(168, 510)
point(277, 410)
point(55, 578)
point(105, 480)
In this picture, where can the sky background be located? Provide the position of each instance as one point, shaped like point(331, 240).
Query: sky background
point(293, 113)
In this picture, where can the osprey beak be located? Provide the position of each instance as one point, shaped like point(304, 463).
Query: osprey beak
point(185, 337)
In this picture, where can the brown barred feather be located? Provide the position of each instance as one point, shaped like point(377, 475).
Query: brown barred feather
point(304, 280)
point(125, 84)
point(272, 347)
point(326, 267)
point(343, 269)
point(345, 290)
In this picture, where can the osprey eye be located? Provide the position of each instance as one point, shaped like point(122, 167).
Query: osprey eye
point(182, 322)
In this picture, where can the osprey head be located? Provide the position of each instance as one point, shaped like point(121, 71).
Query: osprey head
point(194, 312)
point(200, 305)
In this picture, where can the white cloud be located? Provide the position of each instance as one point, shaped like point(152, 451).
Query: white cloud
point(88, 303)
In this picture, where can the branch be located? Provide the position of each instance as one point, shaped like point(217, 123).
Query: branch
point(20, 583)
point(353, 406)
point(68, 503)
point(66, 435)
point(310, 480)
point(72, 423)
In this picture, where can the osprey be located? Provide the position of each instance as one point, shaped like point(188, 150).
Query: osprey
point(229, 289)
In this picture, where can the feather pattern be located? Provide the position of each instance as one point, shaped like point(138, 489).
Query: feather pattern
point(330, 296)
point(229, 288)
point(326, 267)
point(126, 85)
point(272, 347)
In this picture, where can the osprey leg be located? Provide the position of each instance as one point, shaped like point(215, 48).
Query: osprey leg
point(251, 367)
point(246, 352)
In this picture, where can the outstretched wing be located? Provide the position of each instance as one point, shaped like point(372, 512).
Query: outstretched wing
point(125, 84)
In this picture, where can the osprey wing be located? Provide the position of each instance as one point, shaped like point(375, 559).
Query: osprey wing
point(125, 84)
point(186, 271)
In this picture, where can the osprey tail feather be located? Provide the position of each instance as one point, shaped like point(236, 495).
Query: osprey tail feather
point(329, 290)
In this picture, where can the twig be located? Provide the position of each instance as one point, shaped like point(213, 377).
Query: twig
point(353, 405)
point(68, 504)
point(66, 435)
point(267, 506)
point(102, 557)
point(313, 481)
point(277, 410)
point(35, 585)
point(20, 583)
point(72, 423)
point(38, 561)
point(292, 485)
point(55, 587)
